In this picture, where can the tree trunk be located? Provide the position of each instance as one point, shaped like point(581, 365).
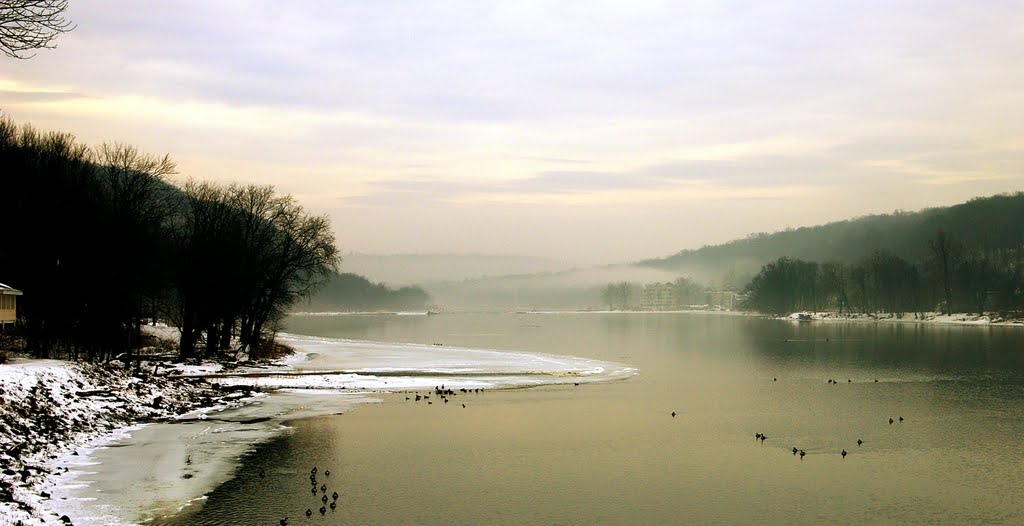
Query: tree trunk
point(187, 344)
point(225, 334)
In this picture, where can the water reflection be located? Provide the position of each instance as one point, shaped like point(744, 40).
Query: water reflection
point(938, 347)
point(613, 454)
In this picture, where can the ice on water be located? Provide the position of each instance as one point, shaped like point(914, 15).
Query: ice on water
point(145, 475)
point(374, 365)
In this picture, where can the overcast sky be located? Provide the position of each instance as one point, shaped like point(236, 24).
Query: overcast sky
point(584, 131)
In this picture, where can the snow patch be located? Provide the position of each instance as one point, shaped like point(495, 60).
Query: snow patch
point(73, 431)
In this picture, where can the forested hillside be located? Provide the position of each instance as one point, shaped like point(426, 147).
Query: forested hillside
point(963, 258)
point(985, 224)
point(352, 292)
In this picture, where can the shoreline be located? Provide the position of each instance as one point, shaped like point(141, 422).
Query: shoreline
point(936, 318)
point(185, 460)
point(53, 409)
point(208, 415)
point(930, 318)
point(169, 455)
point(87, 407)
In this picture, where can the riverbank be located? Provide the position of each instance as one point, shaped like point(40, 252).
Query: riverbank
point(49, 408)
point(927, 317)
point(959, 318)
point(571, 455)
point(192, 446)
point(54, 410)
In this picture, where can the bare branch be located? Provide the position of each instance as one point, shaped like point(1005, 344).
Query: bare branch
point(28, 25)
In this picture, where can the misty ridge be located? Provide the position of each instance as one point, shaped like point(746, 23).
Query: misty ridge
point(879, 263)
point(843, 266)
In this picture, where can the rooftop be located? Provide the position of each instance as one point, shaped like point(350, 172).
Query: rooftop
point(10, 291)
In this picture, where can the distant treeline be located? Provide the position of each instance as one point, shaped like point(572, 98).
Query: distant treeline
point(99, 241)
point(624, 295)
point(352, 292)
point(985, 225)
point(950, 277)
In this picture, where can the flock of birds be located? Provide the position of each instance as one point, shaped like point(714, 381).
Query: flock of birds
point(316, 491)
point(332, 502)
point(797, 451)
point(443, 394)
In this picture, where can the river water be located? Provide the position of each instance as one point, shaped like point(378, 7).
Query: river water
point(610, 452)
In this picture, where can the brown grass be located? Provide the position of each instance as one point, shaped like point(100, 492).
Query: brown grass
point(10, 346)
point(150, 344)
point(269, 351)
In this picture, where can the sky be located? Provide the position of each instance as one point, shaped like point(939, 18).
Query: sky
point(589, 132)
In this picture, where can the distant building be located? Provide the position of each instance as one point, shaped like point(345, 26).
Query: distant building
point(672, 296)
point(660, 296)
point(8, 304)
point(723, 299)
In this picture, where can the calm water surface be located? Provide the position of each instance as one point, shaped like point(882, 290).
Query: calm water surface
point(611, 453)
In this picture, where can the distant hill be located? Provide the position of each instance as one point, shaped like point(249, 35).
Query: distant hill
point(494, 282)
point(578, 288)
point(351, 292)
point(406, 269)
point(989, 223)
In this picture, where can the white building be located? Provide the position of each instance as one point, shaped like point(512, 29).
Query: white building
point(660, 296)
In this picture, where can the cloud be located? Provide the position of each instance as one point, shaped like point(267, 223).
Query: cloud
point(28, 97)
point(652, 185)
point(567, 109)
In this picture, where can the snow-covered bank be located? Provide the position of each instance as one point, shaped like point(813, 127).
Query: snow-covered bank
point(928, 317)
point(111, 472)
point(184, 459)
point(355, 364)
point(48, 408)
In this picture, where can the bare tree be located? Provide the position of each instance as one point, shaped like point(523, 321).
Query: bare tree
point(138, 205)
point(28, 25)
point(945, 252)
point(835, 283)
point(296, 257)
point(245, 255)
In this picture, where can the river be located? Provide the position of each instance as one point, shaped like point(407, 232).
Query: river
point(573, 451)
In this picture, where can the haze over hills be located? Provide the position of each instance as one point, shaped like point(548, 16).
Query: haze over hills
point(346, 292)
point(500, 282)
point(988, 223)
point(491, 281)
point(420, 269)
point(578, 288)
point(991, 223)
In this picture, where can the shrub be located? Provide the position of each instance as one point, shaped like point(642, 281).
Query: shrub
point(269, 350)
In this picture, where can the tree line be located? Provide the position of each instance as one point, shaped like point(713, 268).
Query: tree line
point(987, 225)
point(949, 278)
point(619, 296)
point(101, 241)
point(352, 292)
point(624, 295)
